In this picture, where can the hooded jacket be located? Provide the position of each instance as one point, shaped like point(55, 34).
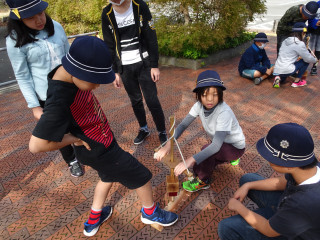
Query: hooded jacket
point(254, 58)
point(290, 50)
point(144, 27)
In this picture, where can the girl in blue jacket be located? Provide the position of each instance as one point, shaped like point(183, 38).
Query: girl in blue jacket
point(35, 45)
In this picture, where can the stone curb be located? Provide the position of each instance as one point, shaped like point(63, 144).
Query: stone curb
point(200, 63)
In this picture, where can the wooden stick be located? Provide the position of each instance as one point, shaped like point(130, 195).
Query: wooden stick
point(174, 206)
point(172, 181)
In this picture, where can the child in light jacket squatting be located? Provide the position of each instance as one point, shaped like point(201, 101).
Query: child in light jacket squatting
point(219, 122)
point(288, 62)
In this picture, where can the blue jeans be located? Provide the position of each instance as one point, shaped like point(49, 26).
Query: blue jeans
point(236, 228)
point(301, 67)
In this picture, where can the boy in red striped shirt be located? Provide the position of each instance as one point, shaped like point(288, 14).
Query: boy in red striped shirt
point(72, 115)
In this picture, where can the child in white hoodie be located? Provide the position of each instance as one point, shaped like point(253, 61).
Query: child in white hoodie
point(294, 57)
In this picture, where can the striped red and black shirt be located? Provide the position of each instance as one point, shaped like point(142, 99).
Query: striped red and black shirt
point(70, 110)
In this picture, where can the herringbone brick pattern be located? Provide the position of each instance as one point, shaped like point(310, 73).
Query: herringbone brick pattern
point(40, 200)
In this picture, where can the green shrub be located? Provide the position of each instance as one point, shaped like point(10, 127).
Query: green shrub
point(194, 29)
point(188, 42)
point(185, 28)
point(77, 16)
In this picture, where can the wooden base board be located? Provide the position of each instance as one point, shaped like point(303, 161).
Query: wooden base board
point(173, 206)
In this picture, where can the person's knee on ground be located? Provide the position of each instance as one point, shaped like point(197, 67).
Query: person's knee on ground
point(250, 74)
point(227, 228)
point(256, 76)
point(249, 177)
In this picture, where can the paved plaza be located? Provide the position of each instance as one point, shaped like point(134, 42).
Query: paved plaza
point(40, 200)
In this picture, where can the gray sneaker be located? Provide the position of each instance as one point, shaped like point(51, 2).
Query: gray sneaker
point(257, 81)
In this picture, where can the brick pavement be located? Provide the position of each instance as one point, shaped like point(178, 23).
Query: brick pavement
point(40, 200)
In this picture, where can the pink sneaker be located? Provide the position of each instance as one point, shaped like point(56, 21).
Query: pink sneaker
point(301, 83)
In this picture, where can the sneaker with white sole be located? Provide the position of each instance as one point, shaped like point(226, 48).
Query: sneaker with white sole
point(142, 135)
point(159, 216)
point(276, 82)
point(91, 229)
point(301, 83)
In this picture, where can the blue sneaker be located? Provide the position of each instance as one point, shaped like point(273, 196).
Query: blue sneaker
point(159, 216)
point(91, 229)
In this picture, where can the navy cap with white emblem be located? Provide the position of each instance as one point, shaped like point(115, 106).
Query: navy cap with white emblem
point(287, 145)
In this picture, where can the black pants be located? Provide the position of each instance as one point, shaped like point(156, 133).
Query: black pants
point(113, 164)
point(67, 152)
point(137, 78)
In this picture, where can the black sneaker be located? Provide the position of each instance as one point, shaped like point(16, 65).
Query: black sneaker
point(163, 138)
point(313, 71)
point(142, 135)
point(76, 168)
point(257, 81)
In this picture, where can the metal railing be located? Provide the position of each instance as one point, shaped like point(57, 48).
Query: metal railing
point(69, 37)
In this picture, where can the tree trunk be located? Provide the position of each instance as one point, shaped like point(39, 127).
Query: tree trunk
point(184, 10)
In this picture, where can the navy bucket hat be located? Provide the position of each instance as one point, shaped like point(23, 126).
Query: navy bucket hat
point(89, 60)
point(209, 78)
point(310, 9)
point(261, 37)
point(287, 145)
point(21, 9)
point(299, 27)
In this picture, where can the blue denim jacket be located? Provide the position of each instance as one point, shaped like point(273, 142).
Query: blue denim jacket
point(32, 62)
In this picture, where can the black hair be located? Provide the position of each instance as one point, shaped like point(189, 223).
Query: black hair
point(311, 165)
point(202, 90)
point(296, 35)
point(23, 35)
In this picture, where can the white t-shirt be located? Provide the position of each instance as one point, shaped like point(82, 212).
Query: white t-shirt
point(221, 119)
point(129, 39)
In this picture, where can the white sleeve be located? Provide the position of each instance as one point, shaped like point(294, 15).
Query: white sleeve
point(195, 110)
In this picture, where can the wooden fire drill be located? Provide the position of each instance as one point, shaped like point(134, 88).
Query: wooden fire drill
point(172, 181)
